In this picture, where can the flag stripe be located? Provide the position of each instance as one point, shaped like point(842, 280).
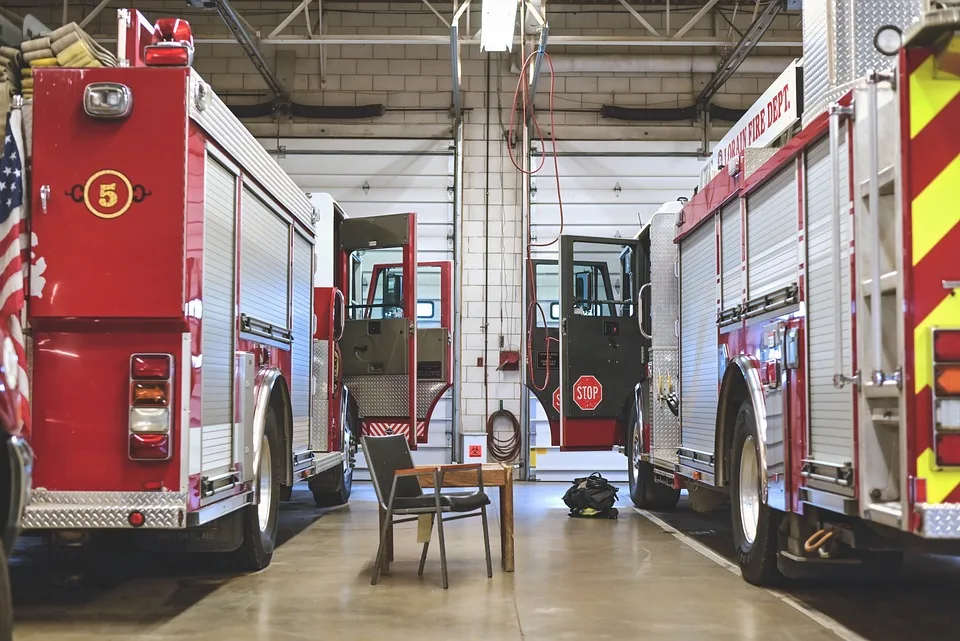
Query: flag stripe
point(12, 230)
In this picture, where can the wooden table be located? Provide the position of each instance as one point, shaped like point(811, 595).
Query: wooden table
point(494, 475)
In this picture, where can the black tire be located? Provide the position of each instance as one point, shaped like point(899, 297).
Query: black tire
point(6, 600)
point(757, 558)
point(332, 487)
point(256, 551)
point(645, 493)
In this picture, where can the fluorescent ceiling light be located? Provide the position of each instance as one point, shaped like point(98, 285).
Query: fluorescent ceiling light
point(497, 25)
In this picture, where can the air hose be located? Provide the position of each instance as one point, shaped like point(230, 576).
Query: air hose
point(508, 449)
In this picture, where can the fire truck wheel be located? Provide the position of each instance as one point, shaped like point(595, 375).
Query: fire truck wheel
point(6, 607)
point(333, 487)
point(260, 521)
point(645, 493)
point(755, 525)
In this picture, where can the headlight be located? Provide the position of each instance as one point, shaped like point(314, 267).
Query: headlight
point(11, 364)
point(888, 39)
point(107, 100)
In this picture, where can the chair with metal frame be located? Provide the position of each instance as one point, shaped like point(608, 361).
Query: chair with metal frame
point(399, 493)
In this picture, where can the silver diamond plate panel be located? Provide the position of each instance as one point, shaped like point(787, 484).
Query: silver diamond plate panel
point(754, 157)
point(386, 396)
point(940, 521)
point(665, 426)
point(380, 396)
point(103, 510)
point(838, 45)
point(817, 56)
point(208, 111)
point(870, 15)
point(665, 298)
point(426, 394)
point(319, 427)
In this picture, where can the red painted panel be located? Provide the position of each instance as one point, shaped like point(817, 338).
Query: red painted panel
point(118, 252)
point(81, 374)
point(591, 433)
point(708, 200)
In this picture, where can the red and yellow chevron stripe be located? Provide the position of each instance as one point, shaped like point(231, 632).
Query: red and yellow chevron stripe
point(931, 96)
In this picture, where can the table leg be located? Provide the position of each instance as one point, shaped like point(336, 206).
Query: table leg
point(506, 521)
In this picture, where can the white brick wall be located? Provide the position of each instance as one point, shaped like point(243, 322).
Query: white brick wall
point(414, 83)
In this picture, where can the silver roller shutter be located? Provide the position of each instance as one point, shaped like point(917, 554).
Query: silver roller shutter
point(698, 338)
point(772, 235)
point(264, 262)
point(301, 350)
point(216, 334)
point(830, 409)
point(731, 258)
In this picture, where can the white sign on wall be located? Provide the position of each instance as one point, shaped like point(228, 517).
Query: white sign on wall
point(771, 115)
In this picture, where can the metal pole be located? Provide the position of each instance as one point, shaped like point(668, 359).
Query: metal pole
point(876, 308)
point(524, 206)
point(836, 113)
point(456, 411)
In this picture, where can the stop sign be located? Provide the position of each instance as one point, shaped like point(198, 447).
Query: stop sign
point(556, 399)
point(587, 392)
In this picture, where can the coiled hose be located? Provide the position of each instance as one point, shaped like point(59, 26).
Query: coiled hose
point(508, 449)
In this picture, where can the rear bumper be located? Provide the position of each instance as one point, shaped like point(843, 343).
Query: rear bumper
point(46, 510)
point(939, 521)
point(21, 474)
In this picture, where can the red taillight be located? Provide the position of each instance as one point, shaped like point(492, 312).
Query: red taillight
point(163, 55)
point(150, 447)
point(136, 519)
point(149, 428)
point(172, 44)
point(149, 366)
point(946, 346)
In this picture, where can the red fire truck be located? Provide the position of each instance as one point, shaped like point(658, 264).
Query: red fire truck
point(193, 351)
point(798, 332)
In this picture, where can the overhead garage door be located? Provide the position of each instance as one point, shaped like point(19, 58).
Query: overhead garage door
point(607, 189)
point(385, 176)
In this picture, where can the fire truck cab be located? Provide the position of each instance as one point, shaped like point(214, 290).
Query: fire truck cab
point(798, 343)
point(193, 350)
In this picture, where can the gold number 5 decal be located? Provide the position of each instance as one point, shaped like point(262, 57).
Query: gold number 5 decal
point(108, 195)
point(112, 194)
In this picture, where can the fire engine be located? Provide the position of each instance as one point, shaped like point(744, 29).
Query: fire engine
point(197, 326)
point(796, 323)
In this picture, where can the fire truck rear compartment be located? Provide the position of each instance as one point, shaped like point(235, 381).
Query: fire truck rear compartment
point(85, 432)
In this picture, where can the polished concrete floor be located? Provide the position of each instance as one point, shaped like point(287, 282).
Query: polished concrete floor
point(575, 579)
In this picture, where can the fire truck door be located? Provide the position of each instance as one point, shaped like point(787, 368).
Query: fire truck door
point(543, 375)
point(602, 348)
point(434, 328)
point(379, 343)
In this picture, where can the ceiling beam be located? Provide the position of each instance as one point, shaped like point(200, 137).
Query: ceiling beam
point(93, 14)
point(639, 18)
point(695, 19)
point(290, 18)
point(246, 41)
point(729, 64)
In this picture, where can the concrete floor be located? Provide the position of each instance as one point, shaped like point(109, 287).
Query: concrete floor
point(575, 579)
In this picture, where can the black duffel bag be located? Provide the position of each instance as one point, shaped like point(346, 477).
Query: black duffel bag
point(592, 497)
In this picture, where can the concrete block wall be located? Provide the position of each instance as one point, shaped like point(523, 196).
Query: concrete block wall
point(414, 83)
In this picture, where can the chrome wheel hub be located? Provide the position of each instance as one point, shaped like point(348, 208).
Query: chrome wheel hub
point(749, 499)
point(265, 485)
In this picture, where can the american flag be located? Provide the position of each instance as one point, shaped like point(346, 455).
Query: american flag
point(13, 217)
